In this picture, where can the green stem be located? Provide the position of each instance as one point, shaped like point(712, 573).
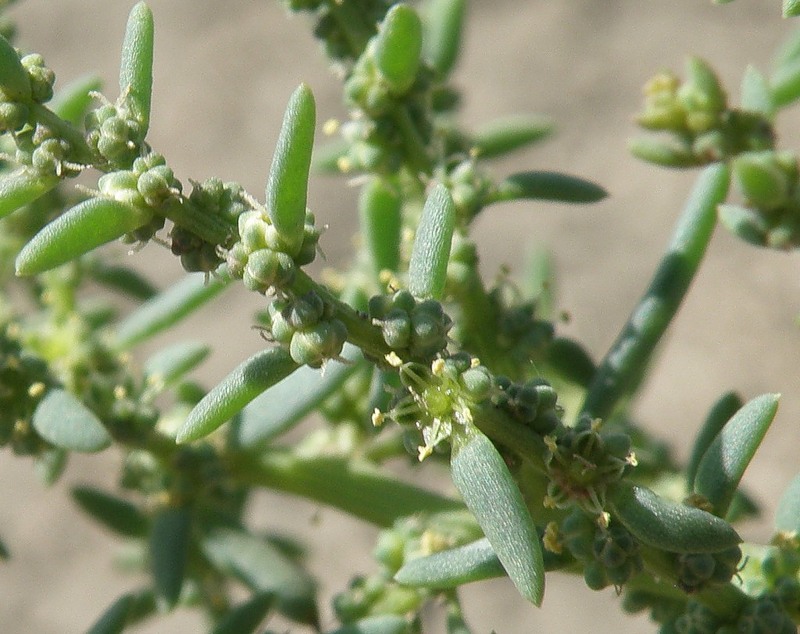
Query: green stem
point(626, 361)
point(361, 331)
point(351, 486)
point(64, 130)
point(660, 577)
point(511, 434)
point(415, 149)
point(209, 227)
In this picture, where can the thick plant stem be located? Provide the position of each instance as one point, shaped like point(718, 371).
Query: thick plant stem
point(626, 361)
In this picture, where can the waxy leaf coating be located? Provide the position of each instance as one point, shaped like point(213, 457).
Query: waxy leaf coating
point(668, 525)
point(427, 271)
point(490, 493)
point(724, 462)
point(14, 80)
point(787, 517)
point(441, 39)
point(549, 186)
point(64, 421)
point(263, 568)
point(287, 186)
point(246, 617)
point(22, 187)
point(475, 561)
point(261, 371)
point(168, 308)
point(76, 232)
point(398, 47)
point(169, 551)
point(136, 68)
point(116, 514)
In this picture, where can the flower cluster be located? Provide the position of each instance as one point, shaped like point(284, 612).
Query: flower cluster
point(414, 330)
point(306, 325)
point(582, 461)
point(704, 128)
point(260, 257)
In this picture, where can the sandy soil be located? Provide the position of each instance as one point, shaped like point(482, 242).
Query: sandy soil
point(223, 73)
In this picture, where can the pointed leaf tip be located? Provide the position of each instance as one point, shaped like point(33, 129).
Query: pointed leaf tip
point(490, 493)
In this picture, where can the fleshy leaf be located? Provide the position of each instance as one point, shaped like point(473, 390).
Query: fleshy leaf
point(756, 94)
point(791, 8)
point(548, 186)
point(744, 223)
point(173, 362)
point(169, 551)
point(379, 624)
point(252, 377)
point(721, 412)
point(127, 610)
point(50, 465)
point(169, 307)
point(78, 231)
point(451, 568)
point(663, 151)
point(136, 67)
point(287, 185)
point(263, 568)
point(398, 46)
point(290, 400)
point(14, 80)
point(669, 525)
point(72, 102)
point(22, 187)
point(442, 27)
point(121, 279)
point(724, 462)
point(787, 517)
point(508, 134)
point(490, 493)
point(246, 617)
point(380, 207)
point(427, 271)
point(116, 514)
point(350, 485)
point(64, 421)
point(785, 84)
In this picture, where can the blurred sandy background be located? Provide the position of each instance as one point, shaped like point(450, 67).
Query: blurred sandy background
point(224, 71)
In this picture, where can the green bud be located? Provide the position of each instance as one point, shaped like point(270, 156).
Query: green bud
point(13, 116)
point(701, 95)
point(320, 342)
point(761, 179)
point(306, 311)
point(398, 46)
point(396, 329)
point(477, 382)
point(267, 268)
point(42, 78)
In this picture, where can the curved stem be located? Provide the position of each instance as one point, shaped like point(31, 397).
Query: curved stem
point(626, 361)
